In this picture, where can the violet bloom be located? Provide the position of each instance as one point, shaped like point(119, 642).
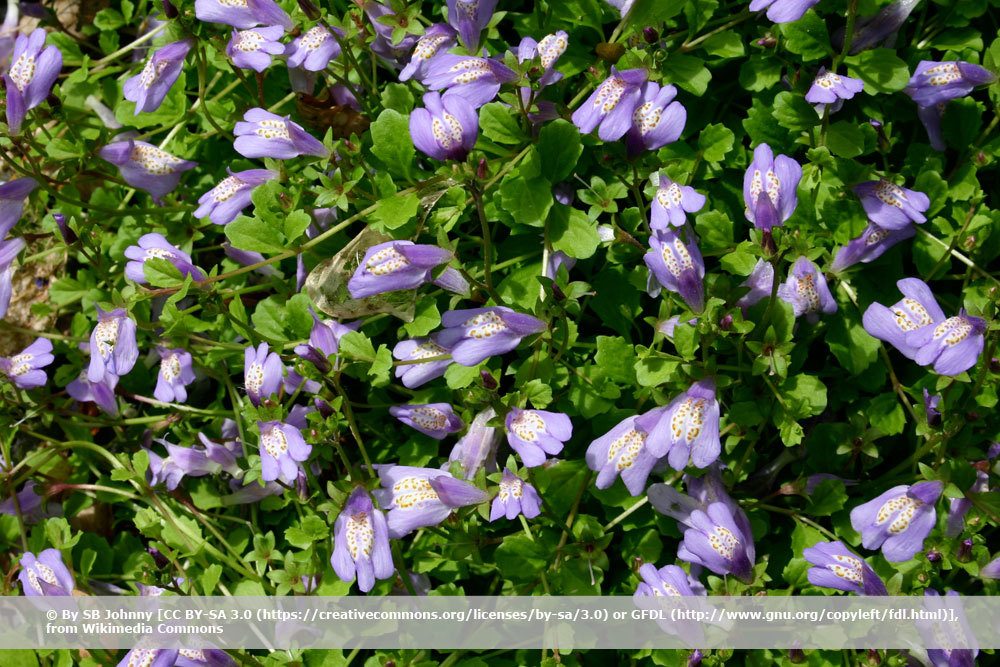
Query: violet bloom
point(476, 334)
point(830, 88)
point(871, 245)
point(688, 430)
point(469, 17)
point(113, 347)
point(149, 657)
point(30, 506)
point(916, 310)
point(282, 449)
point(657, 121)
point(533, 434)
point(324, 342)
point(623, 451)
point(180, 462)
point(991, 570)
point(420, 497)
point(953, 346)
point(9, 250)
point(262, 373)
point(870, 30)
point(761, 283)
point(515, 497)
point(149, 87)
point(226, 200)
point(899, 520)
point(32, 73)
point(668, 581)
point(154, 245)
point(936, 82)
point(476, 79)
point(434, 419)
point(671, 202)
point(12, 196)
point(931, 117)
point(556, 260)
point(612, 105)
point(252, 48)
point(769, 188)
point(45, 575)
point(24, 369)
point(782, 11)
point(548, 51)
point(959, 507)
point(834, 566)
point(399, 265)
point(176, 372)
point(146, 167)
point(101, 393)
point(413, 375)
point(890, 206)
point(314, 50)
point(446, 127)
point(477, 449)
point(248, 258)
point(361, 542)
point(437, 39)
point(383, 45)
point(242, 13)
point(931, 411)
point(807, 292)
point(713, 540)
point(203, 657)
point(677, 267)
point(264, 134)
point(623, 6)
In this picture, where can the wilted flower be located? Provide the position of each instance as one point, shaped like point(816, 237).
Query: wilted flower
point(253, 48)
point(264, 134)
point(226, 200)
point(146, 167)
point(953, 346)
point(713, 540)
point(535, 433)
point(446, 127)
point(32, 73)
point(101, 393)
point(176, 372)
point(477, 449)
point(834, 566)
point(657, 120)
point(149, 88)
point(807, 292)
point(761, 283)
point(476, 334)
point(623, 451)
point(262, 372)
point(9, 250)
point(830, 88)
point(434, 419)
point(30, 506)
point(469, 17)
point(916, 310)
point(871, 245)
point(420, 497)
point(413, 375)
point(361, 542)
point(476, 79)
point(24, 368)
point(688, 430)
point(398, 265)
point(113, 347)
point(676, 266)
point(612, 105)
point(899, 520)
point(436, 39)
point(209, 459)
point(782, 11)
point(324, 341)
point(515, 497)
point(890, 206)
point(769, 188)
point(154, 245)
point(45, 575)
point(936, 82)
point(671, 202)
point(12, 196)
point(282, 449)
point(314, 50)
point(242, 13)
point(548, 51)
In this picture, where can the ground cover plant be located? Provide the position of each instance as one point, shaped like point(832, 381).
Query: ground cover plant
point(517, 298)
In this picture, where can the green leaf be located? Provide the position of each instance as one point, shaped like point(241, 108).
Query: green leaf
point(715, 230)
point(520, 558)
point(760, 73)
point(398, 97)
point(650, 12)
point(395, 211)
point(854, 348)
point(886, 414)
point(615, 359)
point(309, 530)
point(391, 142)
point(726, 44)
point(881, 70)
point(295, 223)
point(828, 497)
point(571, 231)
point(804, 395)
point(793, 112)
point(715, 142)
point(255, 235)
point(559, 148)
point(538, 392)
point(160, 272)
point(355, 345)
point(688, 72)
point(807, 37)
point(845, 139)
point(499, 122)
point(528, 201)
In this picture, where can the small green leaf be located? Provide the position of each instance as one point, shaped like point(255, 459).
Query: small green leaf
point(391, 142)
point(881, 70)
point(559, 148)
point(499, 123)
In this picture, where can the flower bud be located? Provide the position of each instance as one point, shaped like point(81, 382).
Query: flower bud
point(964, 554)
point(650, 34)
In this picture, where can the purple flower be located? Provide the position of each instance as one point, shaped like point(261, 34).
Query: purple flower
point(156, 246)
point(32, 73)
point(871, 30)
point(556, 260)
point(262, 373)
point(24, 368)
point(476, 334)
point(535, 433)
point(282, 449)
point(807, 292)
point(623, 451)
point(991, 570)
point(899, 520)
point(469, 17)
point(252, 48)
point(834, 566)
point(947, 633)
point(226, 200)
point(677, 267)
point(150, 657)
point(548, 51)
point(953, 346)
point(438, 38)
point(264, 134)
point(314, 50)
point(477, 449)
point(361, 542)
point(612, 106)
point(916, 310)
point(713, 540)
point(202, 657)
point(45, 575)
point(657, 121)
point(146, 167)
point(324, 341)
point(782, 11)
point(434, 419)
point(931, 118)
point(148, 88)
point(398, 265)
point(102, 393)
point(248, 258)
point(890, 206)
point(446, 127)
point(668, 581)
point(420, 497)
point(31, 506)
point(871, 245)
point(959, 507)
point(931, 411)
point(12, 196)
point(476, 79)
point(832, 88)
point(769, 188)
point(413, 375)
point(515, 497)
point(9, 250)
point(760, 281)
point(113, 348)
point(382, 45)
point(242, 13)
point(671, 202)
point(181, 462)
point(688, 429)
point(936, 82)
point(176, 372)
